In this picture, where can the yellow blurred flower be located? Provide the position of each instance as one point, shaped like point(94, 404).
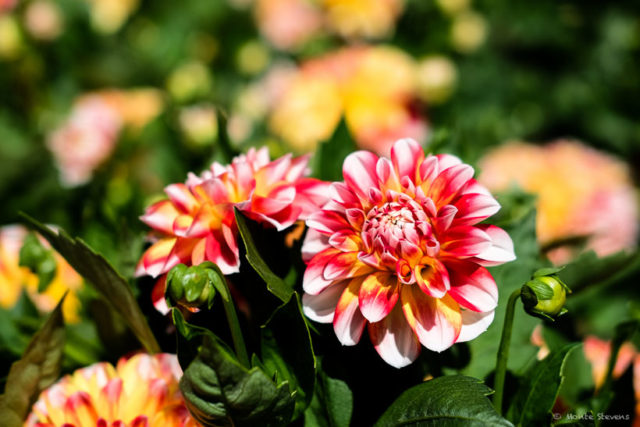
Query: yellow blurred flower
point(437, 77)
point(363, 18)
point(15, 279)
point(581, 193)
point(468, 31)
point(198, 123)
point(372, 87)
point(107, 16)
point(11, 43)
point(140, 391)
point(189, 81)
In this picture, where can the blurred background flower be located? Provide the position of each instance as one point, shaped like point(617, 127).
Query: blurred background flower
point(16, 279)
point(586, 199)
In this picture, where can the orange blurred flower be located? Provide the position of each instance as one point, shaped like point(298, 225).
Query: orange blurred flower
point(15, 279)
point(581, 193)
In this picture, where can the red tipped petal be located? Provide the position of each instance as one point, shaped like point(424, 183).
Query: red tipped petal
point(345, 240)
point(473, 208)
point(156, 256)
point(501, 248)
point(327, 222)
point(472, 285)
point(345, 265)
point(359, 171)
point(473, 324)
point(465, 241)
point(378, 295)
point(322, 307)
point(394, 339)
point(432, 279)
point(348, 321)
point(314, 243)
point(313, 281)
point(181, 197)
point(436, 321)
point(449, 182)
point(160, 216)
point(407, 155)
point(157, 295)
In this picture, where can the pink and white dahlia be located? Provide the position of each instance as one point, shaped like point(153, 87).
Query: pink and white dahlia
point(140, 391)
point(399, 248)
point(197, 222)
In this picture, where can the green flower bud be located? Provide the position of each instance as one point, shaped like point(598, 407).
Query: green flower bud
point(545, 294)
point(191, 287)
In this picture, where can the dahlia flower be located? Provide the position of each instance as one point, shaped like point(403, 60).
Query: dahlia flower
point(15, 279)
point(399, 248)
point(140, 391)
point(197, 222)
point(581, 193)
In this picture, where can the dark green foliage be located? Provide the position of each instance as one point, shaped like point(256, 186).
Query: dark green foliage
point(445, 401)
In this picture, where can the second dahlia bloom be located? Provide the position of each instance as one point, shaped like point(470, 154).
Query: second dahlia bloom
point(140, 391)
point(197, 222)
point(399, 248)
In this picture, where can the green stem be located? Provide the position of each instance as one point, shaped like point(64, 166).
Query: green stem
point(234, 326)
point(503, 351)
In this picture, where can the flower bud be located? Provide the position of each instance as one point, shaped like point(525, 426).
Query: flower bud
point(545, 294)
point(191, 287)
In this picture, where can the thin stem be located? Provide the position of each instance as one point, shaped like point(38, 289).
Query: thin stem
point(503, 351)
point(234, 327)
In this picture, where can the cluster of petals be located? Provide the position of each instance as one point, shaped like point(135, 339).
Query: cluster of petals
point(141, 391)
point(399, 248)
point(16, 279)
point(373, 87)
point(197, 223)
point(581, 192)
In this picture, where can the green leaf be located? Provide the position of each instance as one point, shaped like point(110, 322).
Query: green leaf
point(547, 271)
point(275, 284)
point(287, 352)
point(332, 403)
point(104, 278)
point(38, 368)
point(330, 155)
point(445, 401)
point(534, 399)
point(219, 391)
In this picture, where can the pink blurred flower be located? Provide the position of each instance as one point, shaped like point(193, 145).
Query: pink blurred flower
point(85, 141)
point(140, 391)
point(398, 247)
point(288, 24)
point(197, 222)
point(581, 193)
point(7, 5)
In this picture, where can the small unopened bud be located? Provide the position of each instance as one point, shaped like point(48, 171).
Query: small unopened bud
point(545, 294)
point(191, 287)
